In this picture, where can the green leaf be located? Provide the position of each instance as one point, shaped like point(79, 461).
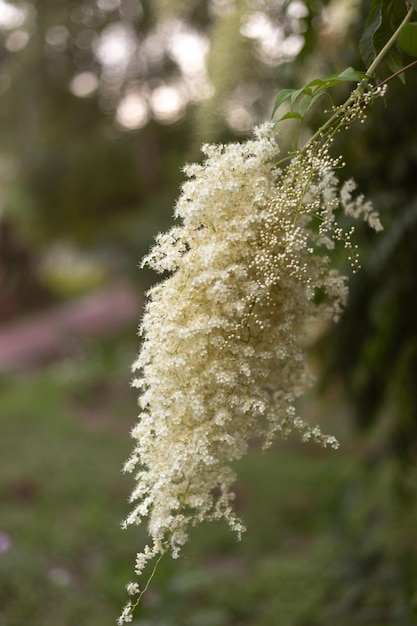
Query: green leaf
point(281, 97)
point(408, 39)
point(309, 94)
point(294, 96)
point(318, 82)
point(291, 115)
point(384, 18)
point(366, 44)
point(394, 62)
point(393, 12)
point(317, 96)
point(297, 93)
point(304, 105)
point(349, 74)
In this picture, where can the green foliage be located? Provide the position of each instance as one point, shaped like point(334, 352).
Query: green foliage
point(373, 580)
point(372, 347)
point(384, 18)
point(308, 95)
point(378, 330)
point(62, 492)
point(408, 39)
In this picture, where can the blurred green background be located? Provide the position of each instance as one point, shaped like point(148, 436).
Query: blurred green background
point(101, 104)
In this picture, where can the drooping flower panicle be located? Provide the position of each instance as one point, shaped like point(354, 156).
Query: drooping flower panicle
point(222, 359)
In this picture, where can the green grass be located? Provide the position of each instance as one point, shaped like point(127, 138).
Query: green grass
point(65, 435)
point(64, 439)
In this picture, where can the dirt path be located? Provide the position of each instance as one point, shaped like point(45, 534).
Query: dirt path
point(41, 338)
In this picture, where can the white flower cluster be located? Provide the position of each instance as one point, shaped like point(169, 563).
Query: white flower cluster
point(221, 360)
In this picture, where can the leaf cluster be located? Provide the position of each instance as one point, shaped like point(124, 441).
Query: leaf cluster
point(305, 98)
point(383, 19)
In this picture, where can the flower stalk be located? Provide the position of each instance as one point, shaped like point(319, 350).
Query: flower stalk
point(222, 361)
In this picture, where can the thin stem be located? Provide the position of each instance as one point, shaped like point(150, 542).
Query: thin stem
point(330, 122)
point(148, 582)
point(403, 69)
